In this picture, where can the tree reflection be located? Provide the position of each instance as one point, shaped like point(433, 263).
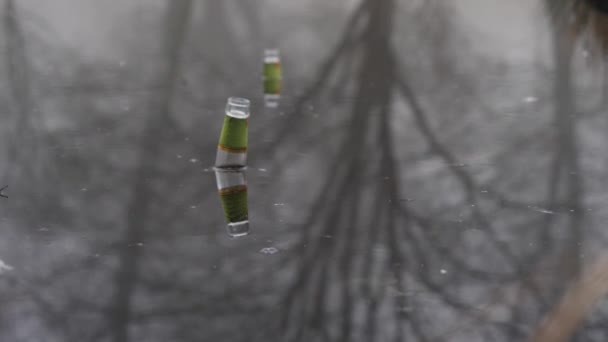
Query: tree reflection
point(341, 290)
point(420, 212)
point(137, 210)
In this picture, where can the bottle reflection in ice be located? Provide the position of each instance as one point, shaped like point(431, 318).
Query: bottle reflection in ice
point(232, 148)
point(232, 187)
point(272, 78)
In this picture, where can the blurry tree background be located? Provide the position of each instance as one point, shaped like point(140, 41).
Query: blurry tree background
point(435, 172)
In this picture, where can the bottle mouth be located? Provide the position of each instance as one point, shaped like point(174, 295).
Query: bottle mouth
point(271, 56)
point(238, 107)
point(239, 102)
point(238, 229)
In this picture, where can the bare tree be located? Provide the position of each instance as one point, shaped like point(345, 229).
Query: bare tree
point(138, 209)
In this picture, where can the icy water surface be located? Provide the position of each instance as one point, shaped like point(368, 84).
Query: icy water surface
point(417, 175)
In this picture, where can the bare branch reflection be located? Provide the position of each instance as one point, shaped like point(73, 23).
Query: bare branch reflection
point(417, 182)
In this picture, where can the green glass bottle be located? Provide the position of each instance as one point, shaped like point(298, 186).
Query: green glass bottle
point(273, 78)
point(232, 188)
point(232, 147)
